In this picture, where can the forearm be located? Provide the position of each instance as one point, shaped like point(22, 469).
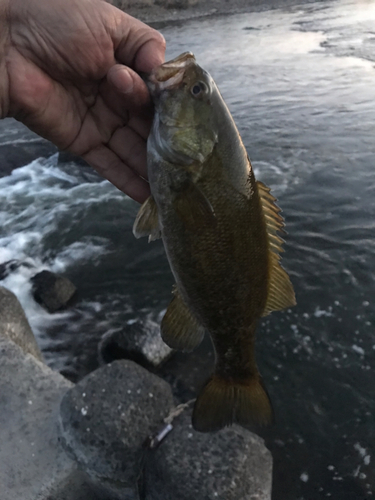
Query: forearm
point(4, 45)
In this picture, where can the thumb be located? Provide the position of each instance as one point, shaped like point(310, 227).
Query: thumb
point(129, 85)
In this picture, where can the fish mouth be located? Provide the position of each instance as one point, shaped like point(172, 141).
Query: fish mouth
point(170, 74)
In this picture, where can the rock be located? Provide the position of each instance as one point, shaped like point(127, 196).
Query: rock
point(52, 291)
point(105, 420)
point(139, 341)
point(33, 464)
point(75, 486)
point(14, 324)
point(232, 464)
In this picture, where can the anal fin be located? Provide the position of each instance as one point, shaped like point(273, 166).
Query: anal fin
point(146, 223)
point(179, 329)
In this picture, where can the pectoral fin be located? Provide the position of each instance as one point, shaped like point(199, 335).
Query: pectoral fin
point(193, 208)
point(146, 223)
point(179, 329)
point(280, 289)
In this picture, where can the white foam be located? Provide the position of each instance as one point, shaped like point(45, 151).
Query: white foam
point(22, 141)
point(18, 282)
point(84, 250)
point(361, 450)
point(304, 477)
point(41, 202)
point(318, 313)
point(358, 349)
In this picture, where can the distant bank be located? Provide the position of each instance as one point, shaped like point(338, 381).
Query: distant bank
point(156, 11)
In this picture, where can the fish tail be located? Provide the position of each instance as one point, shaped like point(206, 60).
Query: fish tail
point(225, 402)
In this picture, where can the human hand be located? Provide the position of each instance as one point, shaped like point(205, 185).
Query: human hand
point(68, 70)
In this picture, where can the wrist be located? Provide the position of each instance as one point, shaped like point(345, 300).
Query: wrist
point(4, 47)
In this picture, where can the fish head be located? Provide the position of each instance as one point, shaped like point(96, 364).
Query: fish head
point(184, 128)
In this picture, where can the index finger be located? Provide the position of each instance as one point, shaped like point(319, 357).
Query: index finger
point(137, 45)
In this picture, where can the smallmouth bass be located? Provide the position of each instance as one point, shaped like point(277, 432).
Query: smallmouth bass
point(219, 228)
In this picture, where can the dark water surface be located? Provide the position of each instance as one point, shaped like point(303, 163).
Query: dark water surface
point(301, 86)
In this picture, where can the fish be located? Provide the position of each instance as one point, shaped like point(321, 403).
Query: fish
point(220, 229)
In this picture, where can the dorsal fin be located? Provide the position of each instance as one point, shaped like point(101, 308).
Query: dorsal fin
point(280, 289)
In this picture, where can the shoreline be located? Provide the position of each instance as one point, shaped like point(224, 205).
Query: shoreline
point(160, 15)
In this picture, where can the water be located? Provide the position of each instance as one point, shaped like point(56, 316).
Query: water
point(300, 85)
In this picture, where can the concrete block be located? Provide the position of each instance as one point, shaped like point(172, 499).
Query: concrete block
point(14, 324)
point(232, 464)
point(106, 419)
point(33, 465)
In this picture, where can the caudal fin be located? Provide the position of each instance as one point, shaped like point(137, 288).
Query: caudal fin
point(222, 403)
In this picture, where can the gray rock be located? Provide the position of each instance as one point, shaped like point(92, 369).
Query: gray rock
point(232, 464)
point(52, 291)
point(105, 420)
point(138, 341)
point(14, 324)
point(33, 464)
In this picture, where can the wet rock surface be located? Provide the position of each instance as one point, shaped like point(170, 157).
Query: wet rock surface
point(105, 420)
point(52, 291)
point(139, 341)
point(232, 464)
point(33, 465)
point(76, 486)
point(14, 324)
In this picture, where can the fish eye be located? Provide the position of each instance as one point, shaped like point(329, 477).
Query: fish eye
point(199, 88)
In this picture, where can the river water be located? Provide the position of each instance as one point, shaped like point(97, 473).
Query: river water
point(300, 85)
